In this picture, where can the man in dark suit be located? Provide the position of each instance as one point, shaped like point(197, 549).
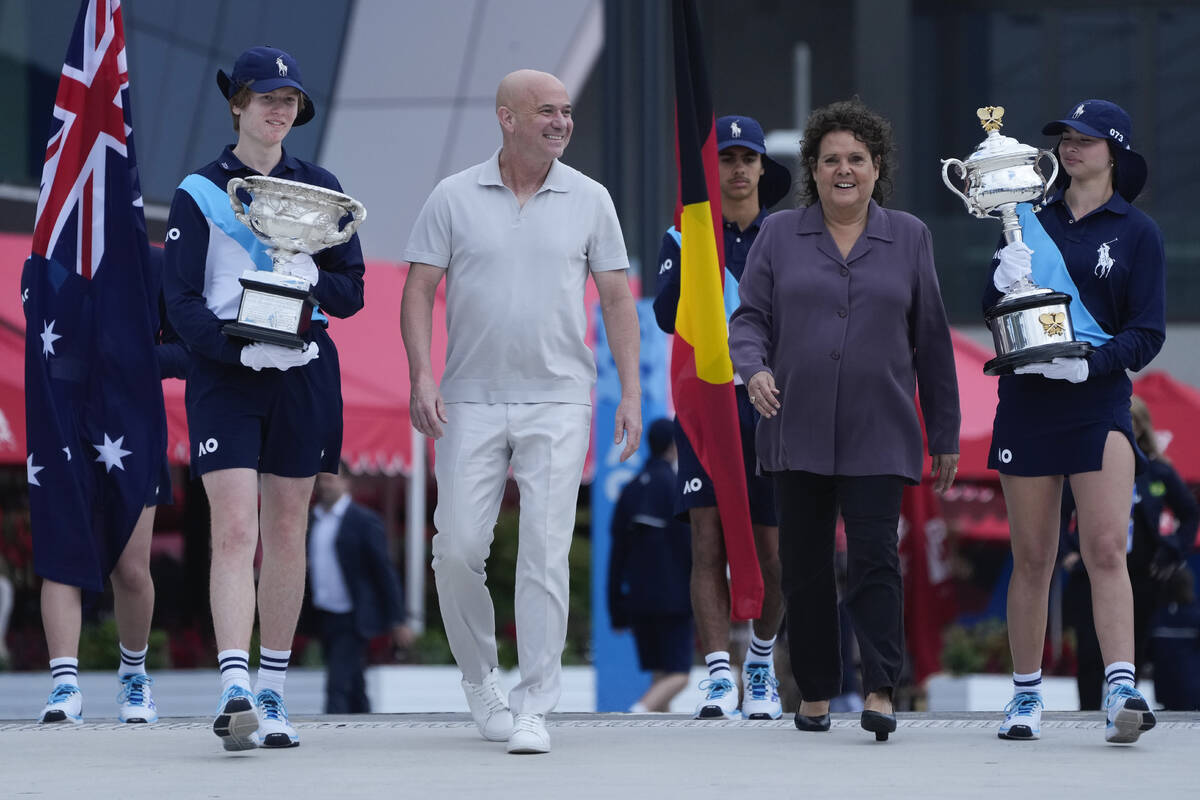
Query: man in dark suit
point(355, 591)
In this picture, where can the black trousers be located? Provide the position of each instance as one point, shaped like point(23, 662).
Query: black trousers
point(345, 665)
point(808, 509)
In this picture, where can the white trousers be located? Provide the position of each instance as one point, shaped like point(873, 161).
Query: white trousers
point(545, 444)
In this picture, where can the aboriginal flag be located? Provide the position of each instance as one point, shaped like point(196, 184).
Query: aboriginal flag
point(701, 370)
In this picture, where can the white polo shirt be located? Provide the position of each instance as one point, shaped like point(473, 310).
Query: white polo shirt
point(515, 280)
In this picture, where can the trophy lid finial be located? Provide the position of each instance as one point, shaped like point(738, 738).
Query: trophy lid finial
point(990, 117)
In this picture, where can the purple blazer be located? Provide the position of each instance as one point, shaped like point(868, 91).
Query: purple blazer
point(847, 340)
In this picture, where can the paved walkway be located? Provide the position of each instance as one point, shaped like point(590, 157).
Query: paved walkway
point(611, 756)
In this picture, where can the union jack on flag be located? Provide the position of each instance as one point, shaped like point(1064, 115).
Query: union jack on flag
point(90, 117)
point(95, 426)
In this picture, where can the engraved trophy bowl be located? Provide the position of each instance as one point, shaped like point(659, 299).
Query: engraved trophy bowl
point(290, 217)
point(1029, 324)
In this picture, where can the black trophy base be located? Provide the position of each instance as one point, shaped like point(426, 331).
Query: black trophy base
point(1007, 363)
point(265, 335)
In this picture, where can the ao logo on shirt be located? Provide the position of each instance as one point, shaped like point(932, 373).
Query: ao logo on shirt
point(665, 266)
point(694, 485)
point(1005, 455)
point(207, 446)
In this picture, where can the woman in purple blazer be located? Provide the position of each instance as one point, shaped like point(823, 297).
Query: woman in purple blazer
point(841, 316)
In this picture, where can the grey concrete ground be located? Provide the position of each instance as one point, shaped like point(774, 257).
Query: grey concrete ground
point(604, 756)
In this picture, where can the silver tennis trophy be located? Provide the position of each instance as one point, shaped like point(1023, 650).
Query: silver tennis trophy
point(1029, 324)
point(290, 217)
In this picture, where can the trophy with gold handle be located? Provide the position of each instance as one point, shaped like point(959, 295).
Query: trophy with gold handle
point(290, 217)
point(1029, 324)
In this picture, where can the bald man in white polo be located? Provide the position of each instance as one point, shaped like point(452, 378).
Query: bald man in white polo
point(516, 238)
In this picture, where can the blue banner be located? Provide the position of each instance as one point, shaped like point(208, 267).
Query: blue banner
point(619, 682)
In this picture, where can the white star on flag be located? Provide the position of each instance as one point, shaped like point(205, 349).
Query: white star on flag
point(111, 453)
point(48, 338)
point(32, 470)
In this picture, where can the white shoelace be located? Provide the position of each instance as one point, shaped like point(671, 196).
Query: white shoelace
point(529, 723)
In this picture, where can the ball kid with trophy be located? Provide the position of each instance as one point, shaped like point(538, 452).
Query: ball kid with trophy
point(251, 300)
point(1064, 394)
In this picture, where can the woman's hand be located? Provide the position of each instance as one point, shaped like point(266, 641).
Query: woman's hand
point(763, 394)
point(945, 468)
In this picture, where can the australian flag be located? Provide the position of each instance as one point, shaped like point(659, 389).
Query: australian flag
point(95, 425)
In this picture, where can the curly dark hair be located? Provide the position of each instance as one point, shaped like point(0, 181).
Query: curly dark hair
point(868, 127)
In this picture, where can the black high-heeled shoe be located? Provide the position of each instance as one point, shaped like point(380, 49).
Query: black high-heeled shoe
point(818, 724)
point(879, 724)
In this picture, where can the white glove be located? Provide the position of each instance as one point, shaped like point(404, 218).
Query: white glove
point(1015, 263)
point(258, 355)
point(1074, 370)
point(302, 266)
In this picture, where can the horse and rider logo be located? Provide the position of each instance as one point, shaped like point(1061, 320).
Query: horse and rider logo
point(282, 67)
point(735, 130)
point(1104, 260)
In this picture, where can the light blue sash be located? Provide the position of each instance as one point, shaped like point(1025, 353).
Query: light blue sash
point(1050, 271)
point(214, 204)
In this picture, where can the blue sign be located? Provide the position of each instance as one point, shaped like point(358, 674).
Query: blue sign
point(619, 682)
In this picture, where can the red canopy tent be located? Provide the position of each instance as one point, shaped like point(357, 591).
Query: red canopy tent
point(977, 398)
point(12, 395)
point(1175, 413)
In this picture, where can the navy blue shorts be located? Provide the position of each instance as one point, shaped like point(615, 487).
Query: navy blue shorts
point(1055, 427)
point(693, 486)
point(664, 642)
point(286, 423)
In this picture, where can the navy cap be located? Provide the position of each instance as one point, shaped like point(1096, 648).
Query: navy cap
point(264, 69)
point(1105, 120)
point(739, 131)
point(660, 435)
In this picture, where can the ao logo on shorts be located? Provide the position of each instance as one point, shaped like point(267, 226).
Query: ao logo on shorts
point(1005, 455)
point(694, 485)
point(208, 446)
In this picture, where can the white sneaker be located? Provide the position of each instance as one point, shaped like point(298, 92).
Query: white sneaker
point(720, 700)
point(64, 705)
point(762, 692)
point(135, 699)
point(529, 735)
point(1129, 715)
point(274, 727)
point(489, 708)
point(1022, 717)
